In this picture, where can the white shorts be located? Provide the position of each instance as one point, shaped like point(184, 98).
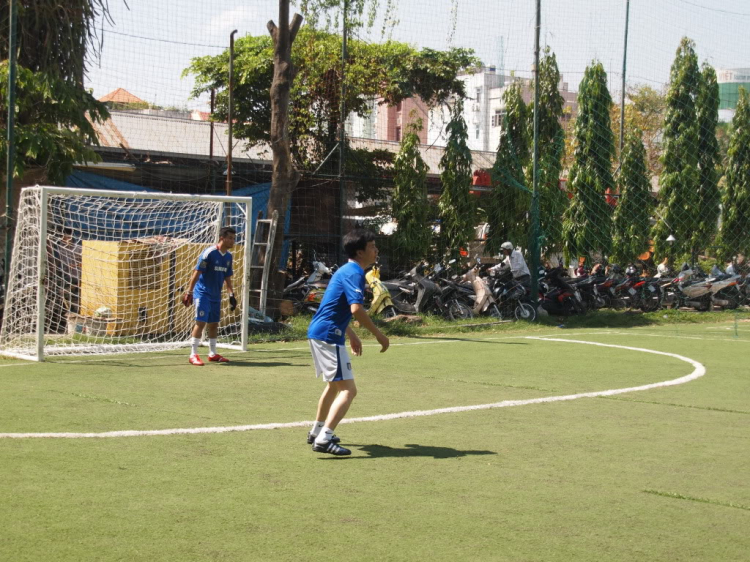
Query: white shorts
point(331, 360)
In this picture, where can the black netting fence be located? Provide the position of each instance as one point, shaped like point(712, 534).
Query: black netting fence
point(419, 120)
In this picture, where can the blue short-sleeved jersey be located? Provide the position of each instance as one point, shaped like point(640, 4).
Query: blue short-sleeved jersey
point(214, 267)
point(347, 287)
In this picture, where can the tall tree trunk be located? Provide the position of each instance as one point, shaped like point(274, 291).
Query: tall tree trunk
point(285, 177)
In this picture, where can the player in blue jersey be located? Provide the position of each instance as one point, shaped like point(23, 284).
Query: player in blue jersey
point(344, 298)
point(213, 271)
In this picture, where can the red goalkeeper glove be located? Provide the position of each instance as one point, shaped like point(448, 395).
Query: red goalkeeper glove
point(232, 302)
point(187, 299)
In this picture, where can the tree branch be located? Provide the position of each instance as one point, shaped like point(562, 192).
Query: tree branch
point(296, 23)
point(273, 30)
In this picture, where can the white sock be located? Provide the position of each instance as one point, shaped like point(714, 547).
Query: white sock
point(325, 435)
point(317, 426)
point(194, 343)
point(211, 347)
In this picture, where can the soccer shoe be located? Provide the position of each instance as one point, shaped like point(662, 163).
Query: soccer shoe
point(218, 358)
point(311, 439)
point(195, 360)
point(331, 448)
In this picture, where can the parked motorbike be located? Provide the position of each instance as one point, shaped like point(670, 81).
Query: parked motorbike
point(635, 291)
point(513, 298)
point(307, 293)
point(725, 291)
point(451, 302)
point(589, 289)
point(419, 292)
point(381, 297)
point(689, 289)
point(558, 297)
point(483, 300)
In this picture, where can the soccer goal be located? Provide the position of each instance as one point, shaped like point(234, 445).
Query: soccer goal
point(100, 272)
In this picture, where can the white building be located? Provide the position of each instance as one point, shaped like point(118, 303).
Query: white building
point(478, 110)
point(730, 81)
point(484, 109)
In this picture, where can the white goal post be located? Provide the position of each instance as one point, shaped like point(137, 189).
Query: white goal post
point(101, 272)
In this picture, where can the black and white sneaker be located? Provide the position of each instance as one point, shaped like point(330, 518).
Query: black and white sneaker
point(331, 448)
point(311, 439)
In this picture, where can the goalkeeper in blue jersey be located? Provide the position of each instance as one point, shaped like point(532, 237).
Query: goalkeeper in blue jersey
point(212, 272)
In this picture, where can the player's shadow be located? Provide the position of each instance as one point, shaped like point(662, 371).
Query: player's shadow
point(415, 450)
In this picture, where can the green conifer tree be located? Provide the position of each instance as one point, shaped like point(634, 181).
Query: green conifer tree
point(734, 236)
point(552, 200)
point(680, 178)
point(456, 208)
point(509, 201)
point(587, 225)
point(410, 208)
point(630, 232)
point(709, 158)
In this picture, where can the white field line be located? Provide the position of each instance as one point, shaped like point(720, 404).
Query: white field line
point(104, 358)
point(17, 365)
point(451, 340)
point(698, 371)
point(670, 336)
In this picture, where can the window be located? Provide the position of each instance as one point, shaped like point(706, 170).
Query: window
point(479, 95)
point(398, 134)
point(398, 107)
point(498, 118)
point(476, 132)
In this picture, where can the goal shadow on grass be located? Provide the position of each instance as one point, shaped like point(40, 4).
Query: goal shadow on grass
point(414, 450)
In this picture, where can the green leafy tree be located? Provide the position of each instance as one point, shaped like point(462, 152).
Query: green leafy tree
point(552, 200)
point(53, 36)
point(390, 72)
point(456, 208)
point(51, 128)
point(587, 225)
point(644, 110)
point(509, 201)
point(734, 236)
point(709, 158)
point(54, 114)
point(410, 208)
point(631, 222)
point(678, 209)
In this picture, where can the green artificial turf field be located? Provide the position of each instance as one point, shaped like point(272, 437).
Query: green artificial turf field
point(657, 474)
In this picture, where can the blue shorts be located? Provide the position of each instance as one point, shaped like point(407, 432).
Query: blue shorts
point(207, 311)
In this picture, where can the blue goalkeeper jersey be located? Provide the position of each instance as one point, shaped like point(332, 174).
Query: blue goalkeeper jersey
point(347, 287)
point(214, 267)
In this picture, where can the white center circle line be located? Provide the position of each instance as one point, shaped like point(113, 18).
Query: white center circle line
point(698, 371)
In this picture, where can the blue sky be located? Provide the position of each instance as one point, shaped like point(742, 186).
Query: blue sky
point(149, 44)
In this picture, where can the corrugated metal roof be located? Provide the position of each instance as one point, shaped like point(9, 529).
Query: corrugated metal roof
point(184, 137)
point(171, 137)
point(431, 154)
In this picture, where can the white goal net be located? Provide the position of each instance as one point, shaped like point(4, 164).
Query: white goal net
point(96, 272)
